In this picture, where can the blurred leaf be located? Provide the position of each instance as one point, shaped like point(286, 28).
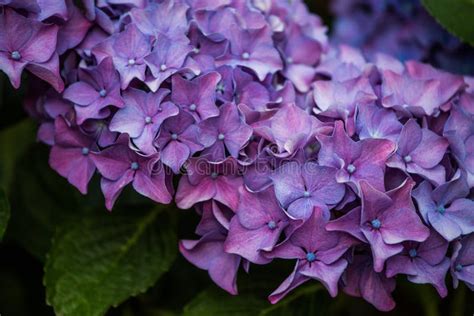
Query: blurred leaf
point(100, 260)
point(4, 212)
point(458, 305)
point(218, 302)
point(14, 142)
point(42, 200)
point(457, 16)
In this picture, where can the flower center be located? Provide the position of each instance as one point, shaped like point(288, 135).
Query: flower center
point(16, 55)
point(174, 136)
point(220, 87)
point(310, 256)
point(413, 253)
point(272, 225)
point(289, 60)
point(85, 151)
point(103, 93)
point(441, 209)
point(131, 61)
point(134, 166)
point(458, 267)
point(376, 223)
point(221, 136)
point(196, 50)
point(407, 158)
point(306, 194)
point(351, 168)
point(214, 175)
point(148, 120)
point(245, 55)
point(163, 67)
point(192, 107)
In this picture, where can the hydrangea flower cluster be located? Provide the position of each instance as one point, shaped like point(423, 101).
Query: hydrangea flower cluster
point(356, 171)
point(402, 28)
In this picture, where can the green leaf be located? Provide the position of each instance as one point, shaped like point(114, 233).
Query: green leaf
point(4, 212)
point(457, 16)
point(14, 142)
point(42, 200)
point(218, 302)
point(101, 260)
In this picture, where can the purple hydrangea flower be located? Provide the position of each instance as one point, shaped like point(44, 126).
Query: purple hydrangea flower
point(70, 155)
point(208, 254)
point(424, 262)
point(119, 166)
point(459, 130)
point(300, 188)
point(207, 180)
point(142, 116)
point(385, 220)
point(420, 152)
point(257, 225)
point(228, 132)
point(98, 88)
point(166, 59)
point(197, 96)
point(374, 122)
point(355, 161)
point(318, 253)
point(361, 280)
point(178, 140)
point(447, 208)
point(252, 48)
point(128, 50)
point(339, 99)
point(287, 145)
point(462, 262)
point(26, 43)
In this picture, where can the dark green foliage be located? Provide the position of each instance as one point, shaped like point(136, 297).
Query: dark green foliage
point(457, 16)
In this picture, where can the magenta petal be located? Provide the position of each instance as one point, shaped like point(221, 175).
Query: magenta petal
point(294, 280)
point(81, 93)
point(208, 254)
point(112, 189)
point(187, 194)
point(329, 275)
point(248, 243)
point(152, 186)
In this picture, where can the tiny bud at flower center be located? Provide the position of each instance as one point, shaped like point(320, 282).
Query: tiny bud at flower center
point(131, 61)
point(221, 136)
point(85, 151)
point(310, 256)
point(16, 55)
point(272, 225)
point(306, 194)
point(134, 166)
point(214, 175)
point(413, 253)
point(102, 93)
point(174, 136)
point(192, 107)
point(163, 67)
point(407, 158)
point(148, 120)
point(351, 168)
point(458, 267)
point(376, 224)
point(245, 55)
point(441, 209)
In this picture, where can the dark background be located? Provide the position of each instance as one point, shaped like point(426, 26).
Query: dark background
point(21, 253)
